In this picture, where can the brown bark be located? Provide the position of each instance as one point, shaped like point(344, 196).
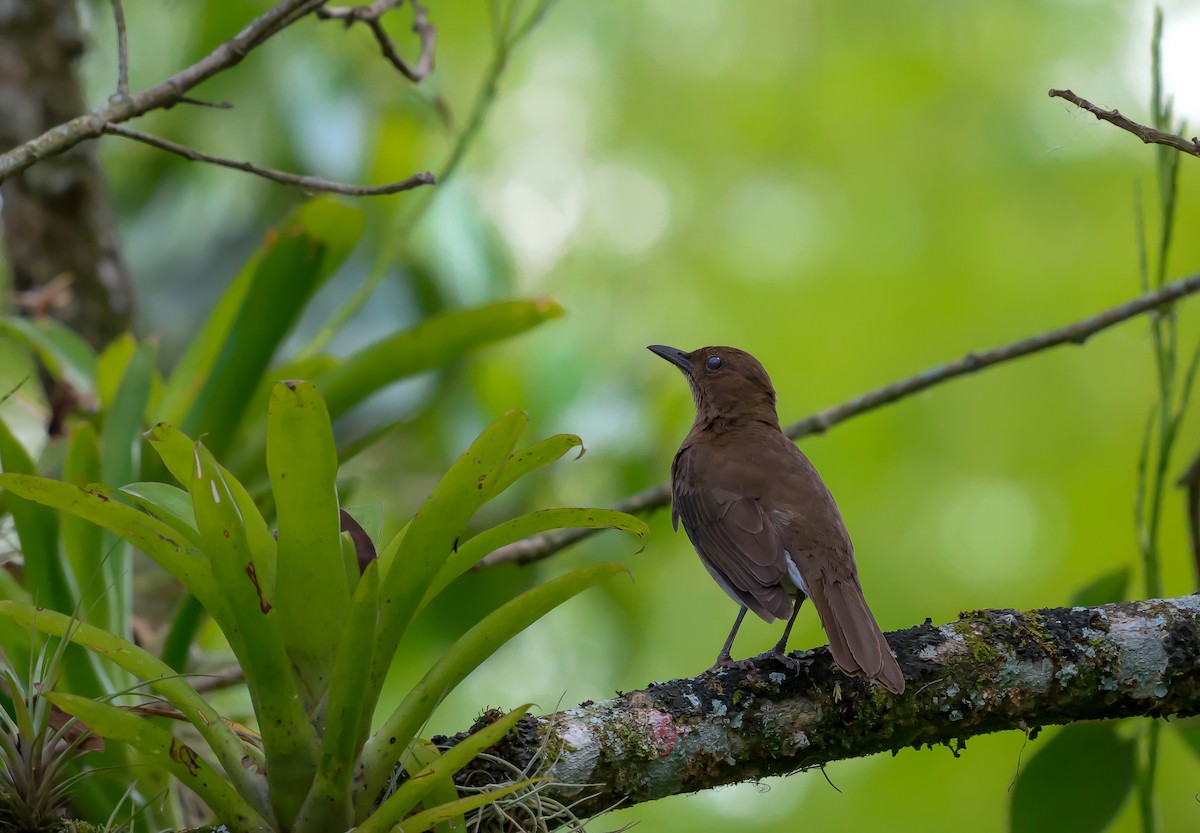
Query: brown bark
point(58, 223)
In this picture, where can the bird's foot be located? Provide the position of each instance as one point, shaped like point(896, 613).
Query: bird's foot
point(725, 661)
point(780, 655)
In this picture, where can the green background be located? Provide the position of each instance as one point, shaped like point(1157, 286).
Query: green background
point(852, 192)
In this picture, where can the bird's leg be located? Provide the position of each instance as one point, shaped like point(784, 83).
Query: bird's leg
point(723, 658)
point(780, 649)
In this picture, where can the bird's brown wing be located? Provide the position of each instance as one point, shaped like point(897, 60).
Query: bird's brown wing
point(812, 531)
point(734, 538)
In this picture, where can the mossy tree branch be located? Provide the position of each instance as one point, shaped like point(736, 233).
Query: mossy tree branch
point(989, 671)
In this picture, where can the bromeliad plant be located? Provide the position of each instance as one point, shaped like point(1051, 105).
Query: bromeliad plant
point(314, 633)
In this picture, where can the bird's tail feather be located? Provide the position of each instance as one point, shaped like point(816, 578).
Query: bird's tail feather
point(858, 645)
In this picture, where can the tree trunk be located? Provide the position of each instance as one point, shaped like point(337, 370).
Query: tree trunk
point(58, 223)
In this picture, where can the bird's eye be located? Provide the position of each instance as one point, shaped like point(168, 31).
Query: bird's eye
point(713, 363)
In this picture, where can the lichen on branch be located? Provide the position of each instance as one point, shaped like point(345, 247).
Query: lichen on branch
point(991, 670)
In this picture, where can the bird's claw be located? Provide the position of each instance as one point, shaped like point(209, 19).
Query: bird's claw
point(725, 661)
point(787, 661)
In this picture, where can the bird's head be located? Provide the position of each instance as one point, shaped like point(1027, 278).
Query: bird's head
point(728, 384)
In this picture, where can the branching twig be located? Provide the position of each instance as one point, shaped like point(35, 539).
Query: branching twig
point(161, 95)
point(546, 544)
point(371, 15)
point(1149, 135)
point(992, 670)
point(122, 49)
point(310, 183)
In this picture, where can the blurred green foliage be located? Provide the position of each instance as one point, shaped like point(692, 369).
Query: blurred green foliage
point(853, 192)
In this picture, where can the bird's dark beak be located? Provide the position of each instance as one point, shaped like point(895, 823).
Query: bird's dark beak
point(672, 354)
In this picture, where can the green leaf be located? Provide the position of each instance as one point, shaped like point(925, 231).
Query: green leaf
point(166, 751)
point(410, 793)
point(46, 575)
point(420, 754)
point(1076, 782)
point(120, 459)
point(83, 541)
point(463, 657)
point(443, 812)
point(311, 590)
point(328, 805)
point(175, 689)
point(289, 739)
point(63, 352)
point(110, 368)
point(1189, 730)
point(177, 452)
point(170, 504)
point(213, 383)
point(535, 456)
point(432, 343)
point(470, 553)
point(431, 534)
point(121, 439)
point(1109, 587)
point(153, 537)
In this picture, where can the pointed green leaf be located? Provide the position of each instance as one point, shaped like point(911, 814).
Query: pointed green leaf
point(433, 532)
point(289, 739)
point(166, 751)
point(420, 754)
point(470, 553)
point(1076, 782)
point(311, 590)
point(1189, 730)
point(151, 536)
point(432, 343)
point(535, 456)
point(121, 439)
point(463, 657)
point(110, 368)
point(176, 450)
point(162, 679)
point(120, 460)
point(410, 793)
point(328, 805)
point(84, 543)
point(170, 504)
point(46, 576)
point(428, 819)
point(209, 390)
point(1109, 587)
point(63, 351)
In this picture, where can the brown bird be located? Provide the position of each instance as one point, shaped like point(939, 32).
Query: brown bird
point(765, 526)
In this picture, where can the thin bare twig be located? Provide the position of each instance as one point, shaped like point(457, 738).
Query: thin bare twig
point(198, 102)
point(541, 546)
point(1149, 135)
point(122, 49)
point(69, 134)
point(371, 15)
point(310, 183)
